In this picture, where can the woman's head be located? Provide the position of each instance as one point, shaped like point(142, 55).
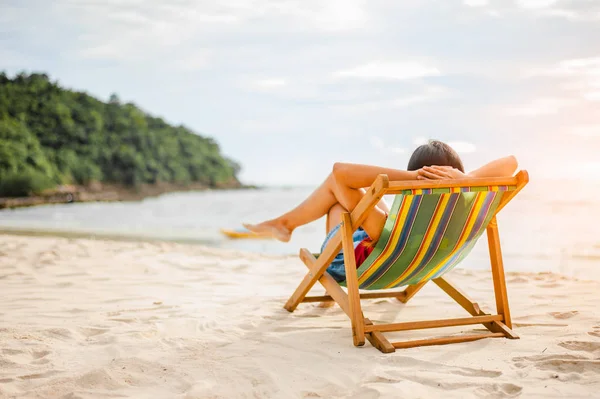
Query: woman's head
point(434, 153)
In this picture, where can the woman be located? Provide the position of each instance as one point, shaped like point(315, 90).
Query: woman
point(344, 187)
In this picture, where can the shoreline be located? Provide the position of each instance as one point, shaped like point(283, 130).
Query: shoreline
point(110, 193)
point(100, 236)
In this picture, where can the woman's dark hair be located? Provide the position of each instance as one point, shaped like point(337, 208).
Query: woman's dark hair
point(435, 153)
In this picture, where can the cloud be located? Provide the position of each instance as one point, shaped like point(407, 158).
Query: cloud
point(581, 75)
point(104, 52)
point(462, 147)
point(582, 10)
point(420, 141)
point(122, 30)
point(541, 106)
point(580, 170)
point(285, 90)
point(586, 131)
point(592, 167)
point(112, 36)
point(592, 96)
point(16, 59)
point(381, 146)
point(269, 83)
point(536, 4)
point(573, 15)
point(388, 70)
point(429, 93)
point(332, 15)
point(199, 59)
point(589, 66)
point(476, 3)
point(422, 94)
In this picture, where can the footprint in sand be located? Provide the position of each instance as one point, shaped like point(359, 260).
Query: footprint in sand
point(549, 285)
point(16, 356)
point(408, 362)
point(38, 375)
point(565, 364)
point(505, 390)
point(48, 257)
point(518, 279)
point(311, 394)
point(40, 354)
point(564, 315)
point(583, 346)
point(82, 251)
point(307, 315)
point(596, 332)
point(12, 351)
point(482, 389)
point(92, 331)
point(124, 320)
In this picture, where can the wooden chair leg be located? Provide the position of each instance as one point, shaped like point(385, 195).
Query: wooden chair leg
point(472, 307)
point(336, 292)
point(333, 288)
point(305, 285)
point(317, 269)
point(460, 297)
point(498, 272)
point(356, 316)
point(378, 340)
point(410, 291)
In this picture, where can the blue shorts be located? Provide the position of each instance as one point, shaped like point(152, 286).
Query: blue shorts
point(336, 268)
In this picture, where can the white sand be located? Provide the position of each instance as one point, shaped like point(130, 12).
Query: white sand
point(101, 319)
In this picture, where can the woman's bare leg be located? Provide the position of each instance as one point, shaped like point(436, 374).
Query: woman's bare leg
point(329, 193)
point(312, 208)
point(334, 217)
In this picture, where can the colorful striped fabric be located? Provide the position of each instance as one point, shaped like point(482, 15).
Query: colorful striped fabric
point(428, 232)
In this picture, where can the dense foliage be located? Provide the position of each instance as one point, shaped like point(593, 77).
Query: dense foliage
point(50, 135)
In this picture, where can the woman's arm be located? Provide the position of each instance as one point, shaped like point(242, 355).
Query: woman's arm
point(361, 176)
point(503, 167)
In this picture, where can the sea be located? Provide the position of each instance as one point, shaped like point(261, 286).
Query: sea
point(550, 226)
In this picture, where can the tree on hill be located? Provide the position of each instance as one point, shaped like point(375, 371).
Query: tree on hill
point(52, 136)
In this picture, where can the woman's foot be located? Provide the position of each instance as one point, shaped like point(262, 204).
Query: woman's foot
point(271, 228)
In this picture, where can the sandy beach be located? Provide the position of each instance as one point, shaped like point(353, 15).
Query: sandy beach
point(104, 319)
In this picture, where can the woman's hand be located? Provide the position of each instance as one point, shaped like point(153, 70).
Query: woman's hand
point(439, 173)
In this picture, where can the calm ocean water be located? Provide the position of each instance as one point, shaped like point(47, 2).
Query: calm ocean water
point(541, 230)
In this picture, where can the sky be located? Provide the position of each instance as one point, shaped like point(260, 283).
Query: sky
point(287, 88)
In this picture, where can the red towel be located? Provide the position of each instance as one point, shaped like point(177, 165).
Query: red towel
point(363, 250)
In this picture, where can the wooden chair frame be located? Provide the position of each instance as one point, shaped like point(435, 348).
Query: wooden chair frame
point(499, 325)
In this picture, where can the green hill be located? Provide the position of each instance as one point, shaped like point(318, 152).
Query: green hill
point(50, 136)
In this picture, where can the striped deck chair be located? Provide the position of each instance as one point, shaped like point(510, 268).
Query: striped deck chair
point(432, 227)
